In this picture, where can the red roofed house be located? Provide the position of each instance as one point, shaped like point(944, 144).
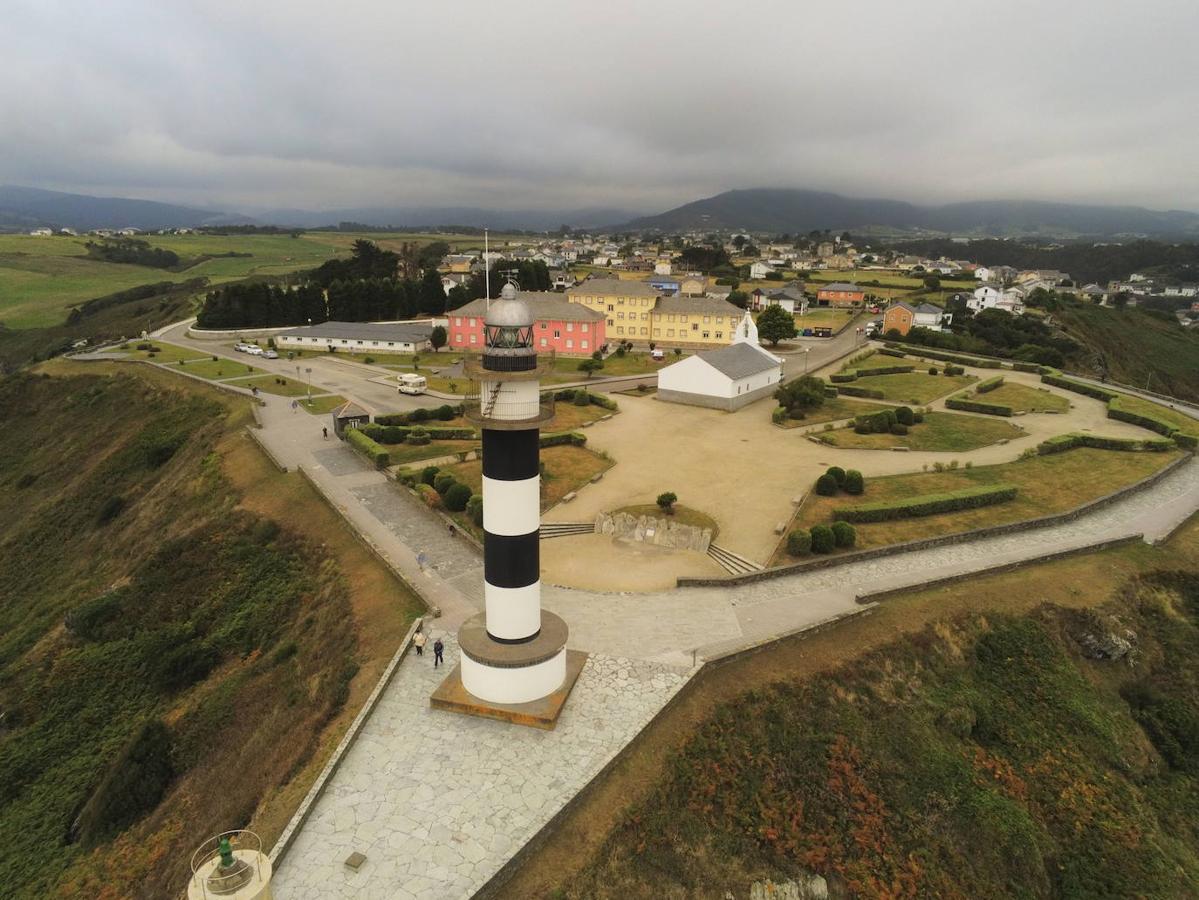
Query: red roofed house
point(840, 293)
point(570, 329)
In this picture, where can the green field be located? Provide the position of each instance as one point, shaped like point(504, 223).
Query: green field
point(1181, 421)
point(274, 384)
point(220, 369)
point(833, 410)
point(939, 431)
point(318, 406)
point(914, 387)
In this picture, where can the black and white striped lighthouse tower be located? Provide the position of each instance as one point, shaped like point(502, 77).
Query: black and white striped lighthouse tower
point(514, 652)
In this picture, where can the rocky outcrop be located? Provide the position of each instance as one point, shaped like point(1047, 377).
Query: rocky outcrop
point(663, 532)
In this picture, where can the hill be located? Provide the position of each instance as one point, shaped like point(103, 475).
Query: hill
point(185, 632)
point(1008, 748)
point(800, 211)
point(25, 207)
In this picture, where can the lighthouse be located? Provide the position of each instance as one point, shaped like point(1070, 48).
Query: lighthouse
point(514, 652)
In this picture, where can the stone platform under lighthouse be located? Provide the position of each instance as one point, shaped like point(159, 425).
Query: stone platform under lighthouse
point(514, 662)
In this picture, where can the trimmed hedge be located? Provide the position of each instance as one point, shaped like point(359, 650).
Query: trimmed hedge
point(886, 370)
point(826, 485)
point(888, 351)
point(928, 504)
point(368, 448)
point(400, 434)
point(1063, 442)
point(457, 497)
point(426, 414)
point(1078, 387)
point(958, 401)
point(823, 540)
point(843, 377)
point(799, 542)
point(860, 392)
point(854, 483)
point(844, 534)
point(988, 384)
point(562, 437)
point(1029, 367)
point(952, 357)
point(595, 399)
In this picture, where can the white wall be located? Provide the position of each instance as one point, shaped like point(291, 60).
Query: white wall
point(694, 376)
point(514, 685)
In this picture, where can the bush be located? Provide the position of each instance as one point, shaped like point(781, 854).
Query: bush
point(905, 416)
point(838, 475)
point(988, 384)
point(562, 437)
point(368, 448)
point(419, 415)
point(826, 485)
point(474, 509)
point(823, 540)
point(443, 482)
point(799, 542)
point(88, 619)
point(844, 534)
point(928, 504)
point(1063, 442)
point(457, 497)
point(917, 418)
point(779, 416)
point(445, 412)
point(954, 370)
point(959, 401)
point(428, 473)
point(869, 393)
point(843, 377)
point(666, 502)
point(854, 483)
point(885, 370)
point(133, 785)
point(899, 428)
point(429, 495)
point(932, 370)
point(419, 437)
point(110, 509)
point(581, 398)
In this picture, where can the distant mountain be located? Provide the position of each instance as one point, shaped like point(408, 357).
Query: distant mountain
point(788, 210)
point(25, 207)
point(419, 216)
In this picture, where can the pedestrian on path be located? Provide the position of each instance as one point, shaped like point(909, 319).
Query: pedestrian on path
point(453, 531)
point(418, 641)
point(438, 650)
point(325, 432)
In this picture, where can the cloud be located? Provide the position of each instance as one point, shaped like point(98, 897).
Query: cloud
point(640, 105)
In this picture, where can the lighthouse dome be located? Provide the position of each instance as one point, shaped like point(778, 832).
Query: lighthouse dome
point(509, 312)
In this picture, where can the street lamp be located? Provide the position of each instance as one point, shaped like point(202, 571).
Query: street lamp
point(806, 351)
point(309, 371)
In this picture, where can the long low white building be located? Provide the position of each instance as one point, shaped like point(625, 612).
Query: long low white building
point(382, 337)
point(728, 378)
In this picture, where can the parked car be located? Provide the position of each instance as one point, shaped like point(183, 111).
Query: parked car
point(270, 354)
point(254, 350)
point(240, 347)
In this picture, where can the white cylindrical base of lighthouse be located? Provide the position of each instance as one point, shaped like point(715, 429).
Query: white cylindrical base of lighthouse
point(514, 685)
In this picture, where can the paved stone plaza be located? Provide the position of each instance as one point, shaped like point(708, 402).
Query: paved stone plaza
point(438, 802)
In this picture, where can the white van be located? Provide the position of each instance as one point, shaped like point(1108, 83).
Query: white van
point(412, 384)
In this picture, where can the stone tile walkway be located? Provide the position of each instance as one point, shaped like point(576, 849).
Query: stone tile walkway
point(438, 801)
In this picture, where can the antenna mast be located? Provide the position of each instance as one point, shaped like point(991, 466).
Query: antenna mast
point(487, 269)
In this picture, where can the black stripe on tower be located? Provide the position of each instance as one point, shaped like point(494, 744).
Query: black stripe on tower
point(511, 561)
point(511, 455)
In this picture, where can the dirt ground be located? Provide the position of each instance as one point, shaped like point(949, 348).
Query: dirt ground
point(745, 472)
point(1081, 581)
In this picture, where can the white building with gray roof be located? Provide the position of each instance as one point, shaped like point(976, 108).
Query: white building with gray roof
point(728, 378)
point(359, 337)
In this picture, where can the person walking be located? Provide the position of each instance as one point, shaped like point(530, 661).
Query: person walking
point(325, 432)
point(418, 641)
point(438, 650)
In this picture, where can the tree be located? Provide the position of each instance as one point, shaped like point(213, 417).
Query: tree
point(432, 294)
point(776, 324)
point(666, 502)
point(932, 283)
point(437, 337)
point(823, 540)
point(430, 255)
point(591, 366)
point(801, 394)
point(739, 299)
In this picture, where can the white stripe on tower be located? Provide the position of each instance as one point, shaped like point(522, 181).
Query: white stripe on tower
point(511, 507)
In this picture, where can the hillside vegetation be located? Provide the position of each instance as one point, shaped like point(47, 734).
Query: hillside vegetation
point(176, 657)
point(1050, 754)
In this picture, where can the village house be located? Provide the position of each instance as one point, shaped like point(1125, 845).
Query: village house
point(667, 284)
point(692, 321)
point(625, 305)
point(569, 329)
point(693, 285)
point(662, 267)
point(457, 262)
point(728, 378)
point(790, 297)
point(903, 317)
point(759, 270)
point(840, 293)
point(453, 280)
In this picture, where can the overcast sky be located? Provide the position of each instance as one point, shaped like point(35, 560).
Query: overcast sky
point(638, 104)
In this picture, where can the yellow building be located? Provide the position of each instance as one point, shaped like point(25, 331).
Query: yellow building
point(635, 311)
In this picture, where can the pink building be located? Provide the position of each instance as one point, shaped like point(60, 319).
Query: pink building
point(570, 329)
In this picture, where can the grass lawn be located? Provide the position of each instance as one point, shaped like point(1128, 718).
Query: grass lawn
point(1181, 421)
point(1048, 484)
point(834, 409)
point(271, 385)
point(219, 369)
point(1022, 398)
point(568, 417)
point(403, 454)
point(567, 468)
point(939, 431)
point(824, 315)
point(320, 405)
point(166, 353)
point(566, 368)
point(875, 361)
point(683, 514)
point(915, 387)
point(428, 360)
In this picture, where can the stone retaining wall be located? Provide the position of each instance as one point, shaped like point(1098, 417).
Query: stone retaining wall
point(961, 537)
point(662, 532)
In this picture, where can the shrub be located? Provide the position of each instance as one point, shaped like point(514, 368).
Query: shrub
point(445, 412)
point(419, 415)
point(1063, 442)
point(368, 448)
point(779, 416)
point(838, 475)
point(869, 393)
point(581, 398)
point(917, 418)
point(843, 377)
point(826, 485)
point(474, 509)
point(368, 359)
point(988, 384)
point(429, 495)
point(1078, 387)
point(905, 416)
point(457, 497)
point(823, 540)
point(932, 370)
point(844, 534)
point(556, 439)
point(928, 504)
point(954, 370)
point(428, 473)
point(443, 482)
point(899, 428)
point(133, 785)
point(419, 436)
point(799, 542)
point(959, 401)
point(88, 619)
point(666, 502)
point(110, 509)
point(854, 483)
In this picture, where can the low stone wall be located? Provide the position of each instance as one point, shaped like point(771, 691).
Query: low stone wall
point(664, 532)
point(961, 537)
